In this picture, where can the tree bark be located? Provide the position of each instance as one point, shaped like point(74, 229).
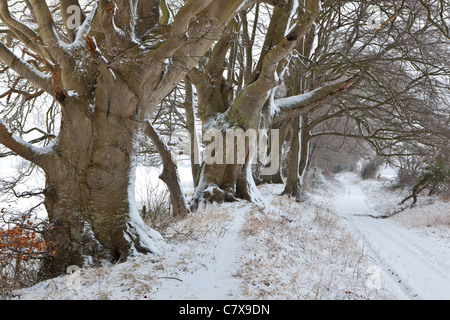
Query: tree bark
point(192, 128)
point(169, 174)
point(292, 187)
point(278, 176)
point(298, 158)
point(224, 183)
point(92, 211)
point(305, 139)
point(89, 193)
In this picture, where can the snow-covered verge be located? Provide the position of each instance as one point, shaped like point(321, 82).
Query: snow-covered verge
point(299, 251)
point(282, 250)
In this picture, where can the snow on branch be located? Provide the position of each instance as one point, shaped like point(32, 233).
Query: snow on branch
point(85, 27)
point(307, 102)
point(25, 70)
point(19, 146)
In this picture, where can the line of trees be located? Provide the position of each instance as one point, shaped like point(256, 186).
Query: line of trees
point(83, 103)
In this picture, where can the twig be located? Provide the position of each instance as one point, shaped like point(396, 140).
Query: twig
point(170, 278)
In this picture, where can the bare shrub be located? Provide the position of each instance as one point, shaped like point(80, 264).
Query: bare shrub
point(22, 248)
point(156, 209)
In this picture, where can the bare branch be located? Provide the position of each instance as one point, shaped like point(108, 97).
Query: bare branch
point(44, 19)
point(17, 145)
point(25, 70)
point(170, 171)
point(20, 30)
point(55, 70)
point(307, 102)
point(443, 28)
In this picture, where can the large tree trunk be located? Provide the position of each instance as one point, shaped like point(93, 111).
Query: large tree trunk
point(95, 222)
point(89, 193)
point(225, 183)
point(94, 218)
point(226, 171)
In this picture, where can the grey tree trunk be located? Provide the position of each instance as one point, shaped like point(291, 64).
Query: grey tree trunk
point(223, 183)
point(292, 187)
point(191, 126)
point(278, 176)
point(305, 148)
point(169, 174)
point(298, 158)
point(89, 193)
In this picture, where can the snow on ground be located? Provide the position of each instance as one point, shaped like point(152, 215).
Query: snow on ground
point(325, 248)
point(412, 248)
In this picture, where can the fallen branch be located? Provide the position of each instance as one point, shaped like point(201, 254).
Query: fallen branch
point(170, 278)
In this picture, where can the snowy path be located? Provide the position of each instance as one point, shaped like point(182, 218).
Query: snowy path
point(209, 271)
point(416, 269)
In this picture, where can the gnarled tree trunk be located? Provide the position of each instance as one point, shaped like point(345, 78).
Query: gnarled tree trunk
point(89, 193)
point(221, 110)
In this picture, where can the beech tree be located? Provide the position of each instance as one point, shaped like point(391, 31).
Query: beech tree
point(108, 75)
point(245, 98)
